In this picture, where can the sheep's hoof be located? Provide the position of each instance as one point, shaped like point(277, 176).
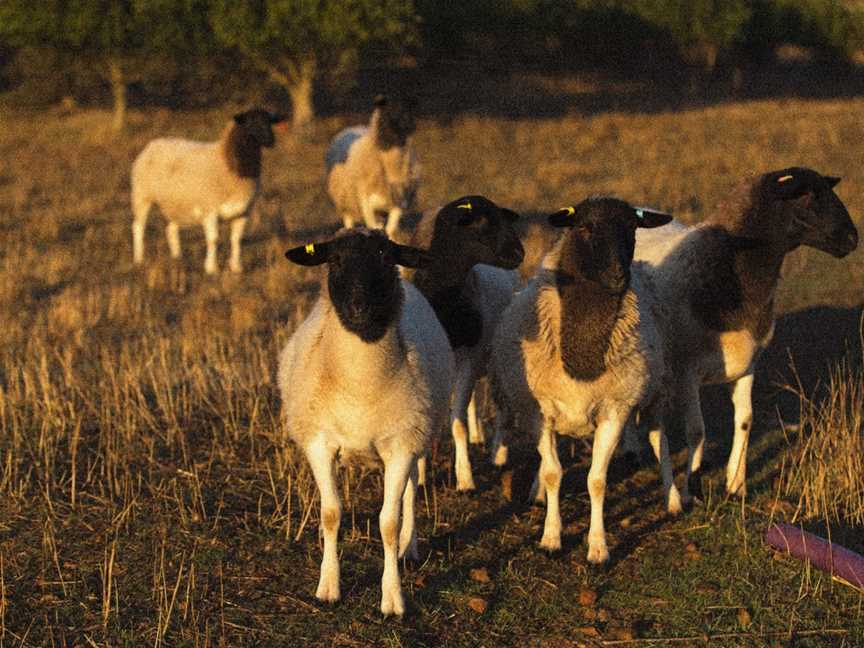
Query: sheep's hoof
point(392, 604)
point(465, 486)
point(694, 485)
point(674, 505)
point(327, 591)
point(409, 551)
point(550, 542)
point(736, 490)
point(598, 556)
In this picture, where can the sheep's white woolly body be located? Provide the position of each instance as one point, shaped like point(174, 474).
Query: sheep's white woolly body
point(530, 383)
point(193, 184)
point(367, 395)
point(361, 175)
point(374, 402)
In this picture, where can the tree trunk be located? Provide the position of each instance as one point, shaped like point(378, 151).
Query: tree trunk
point(301, 97)
point(118, 91)
point(299, 80)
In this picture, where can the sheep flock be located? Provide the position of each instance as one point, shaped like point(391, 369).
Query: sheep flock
point(610, 337)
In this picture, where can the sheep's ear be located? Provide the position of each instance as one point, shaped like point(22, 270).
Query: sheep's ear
point(311, 254)
point(647, 217)
point(832, 180)
point(788, 184)
point(379, 100)
point(564, 217)
point(411, 257)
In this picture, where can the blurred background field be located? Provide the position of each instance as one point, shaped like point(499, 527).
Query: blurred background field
point(147, 492)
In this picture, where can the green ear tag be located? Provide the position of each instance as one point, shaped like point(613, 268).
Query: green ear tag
point(464, 206)
point(310, 248)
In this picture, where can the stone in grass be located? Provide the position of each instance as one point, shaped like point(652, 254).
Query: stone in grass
point(587, 597)
point(477, 604)
point(480, 575)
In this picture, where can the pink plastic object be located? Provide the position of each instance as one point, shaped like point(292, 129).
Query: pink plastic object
point(832, 558)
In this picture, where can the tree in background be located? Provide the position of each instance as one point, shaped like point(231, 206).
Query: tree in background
point(113, 34)
point(292, 41)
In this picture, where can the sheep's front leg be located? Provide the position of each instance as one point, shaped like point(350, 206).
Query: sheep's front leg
point(172, 233)
point(396, 471)
point(605, 440)
point(736, 470)
point(367, 209)
point(550, 476)
point(237, 227)
point(459, 424)
point(408, 532)
point(211, 235)
point(321, 461)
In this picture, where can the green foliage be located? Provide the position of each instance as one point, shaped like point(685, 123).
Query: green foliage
point(274, 31)
point(105, 28)
point(692, 22)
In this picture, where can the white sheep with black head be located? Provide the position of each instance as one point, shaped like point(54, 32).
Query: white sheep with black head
point(373, 169)
point(578, 351)
point(367, 376)
point(199, 183)
point(718, 279)
point(470, 280)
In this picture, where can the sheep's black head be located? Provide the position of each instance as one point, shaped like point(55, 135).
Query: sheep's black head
point(473, 230)
point(395, 121)
point(362, 282)
point(257, 124)
point(803, 205)
point(602, 237)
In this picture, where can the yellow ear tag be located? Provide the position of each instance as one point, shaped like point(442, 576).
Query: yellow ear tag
point(784, 178)
point(570, 210)
point(464, 206)
point(310, 248)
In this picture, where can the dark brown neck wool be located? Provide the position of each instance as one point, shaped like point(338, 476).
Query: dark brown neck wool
point(738, 277)
point(243, 153)
point(588, 316)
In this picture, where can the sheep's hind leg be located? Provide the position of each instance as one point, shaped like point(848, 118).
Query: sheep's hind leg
point(694, 429)
point(237, 227)
point(660, 446)
point(408, 531)
point(475, 429)
point(211, 235)
point(459, 427)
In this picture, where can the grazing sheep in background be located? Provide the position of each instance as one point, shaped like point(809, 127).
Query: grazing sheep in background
point(197, 183)
point(578, 351)
point(469, 282)
point(718, 278)
point(367, 375)
point(374, 168)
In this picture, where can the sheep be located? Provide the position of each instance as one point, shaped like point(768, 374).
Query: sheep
point(366, 377)
point(469, 283)
point(719, 278)
point(578, 350)
point(374, 168)
point(200, 182)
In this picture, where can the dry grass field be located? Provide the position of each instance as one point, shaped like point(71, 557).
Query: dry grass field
point(149, 497)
